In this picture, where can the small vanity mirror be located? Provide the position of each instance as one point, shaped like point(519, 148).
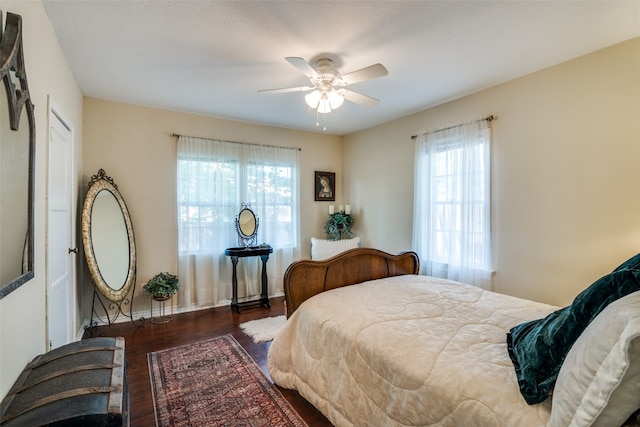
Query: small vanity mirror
point(247, 226)
point(107, 236)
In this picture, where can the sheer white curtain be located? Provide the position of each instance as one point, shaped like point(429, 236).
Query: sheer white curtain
point(214, 179)
point(451, 219)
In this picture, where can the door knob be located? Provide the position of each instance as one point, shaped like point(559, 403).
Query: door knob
point(74, 250)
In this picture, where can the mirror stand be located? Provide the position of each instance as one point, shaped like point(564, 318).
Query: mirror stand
point(113, 311)
point(110, 249)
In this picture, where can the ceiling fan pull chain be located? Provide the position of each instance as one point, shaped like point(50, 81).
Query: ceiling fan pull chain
point(324, 117)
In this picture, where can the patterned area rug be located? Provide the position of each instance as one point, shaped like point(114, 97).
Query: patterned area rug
point(215, 383)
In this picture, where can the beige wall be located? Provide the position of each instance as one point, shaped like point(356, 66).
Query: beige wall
point(565, 173)
point(135, 147)
point(23, 327)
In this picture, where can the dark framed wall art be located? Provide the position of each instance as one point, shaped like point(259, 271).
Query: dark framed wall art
point(325, 186)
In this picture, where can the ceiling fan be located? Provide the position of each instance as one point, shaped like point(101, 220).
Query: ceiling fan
point(328, 85)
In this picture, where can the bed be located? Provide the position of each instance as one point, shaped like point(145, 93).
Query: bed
point(369, 342)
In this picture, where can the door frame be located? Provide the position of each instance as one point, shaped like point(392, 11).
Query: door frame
point(54, 112)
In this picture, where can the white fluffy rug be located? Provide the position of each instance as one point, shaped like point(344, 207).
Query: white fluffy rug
point(265, 329)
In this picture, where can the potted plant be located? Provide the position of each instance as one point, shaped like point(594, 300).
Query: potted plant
point(339, 223)
point(162, 286)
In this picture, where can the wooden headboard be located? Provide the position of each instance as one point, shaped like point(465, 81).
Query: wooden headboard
point(305, 278)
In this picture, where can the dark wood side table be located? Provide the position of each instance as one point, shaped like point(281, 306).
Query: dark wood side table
point(263, 252)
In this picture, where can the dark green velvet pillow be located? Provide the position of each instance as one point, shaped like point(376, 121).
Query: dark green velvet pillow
point(631, 263)
point(538, 348)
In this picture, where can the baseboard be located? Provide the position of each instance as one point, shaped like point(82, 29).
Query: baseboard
point(146, 314)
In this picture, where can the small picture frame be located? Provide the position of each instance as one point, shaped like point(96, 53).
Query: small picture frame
point(325, 186)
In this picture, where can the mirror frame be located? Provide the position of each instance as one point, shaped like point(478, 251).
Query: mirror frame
point(12, 61)
point(98, 183)
point(247, 239)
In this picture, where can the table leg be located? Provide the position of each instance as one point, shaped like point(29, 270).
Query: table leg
point(234, 284)
point(264, 297)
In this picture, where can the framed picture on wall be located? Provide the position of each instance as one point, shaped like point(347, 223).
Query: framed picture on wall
point(325, 186)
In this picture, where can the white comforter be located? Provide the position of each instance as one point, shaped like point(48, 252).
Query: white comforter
point(407, 351)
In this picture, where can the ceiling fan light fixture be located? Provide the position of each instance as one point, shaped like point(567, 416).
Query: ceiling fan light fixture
point(324, 101)
point(313, 98)
point(324, 106)
point(335, 99)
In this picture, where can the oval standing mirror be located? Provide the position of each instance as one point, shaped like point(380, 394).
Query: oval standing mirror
point(247, 226)
point(17, 148)
point(107, 236)
point(247, 221)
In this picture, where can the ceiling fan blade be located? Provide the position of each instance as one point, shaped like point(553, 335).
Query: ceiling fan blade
point(367, 73)
point(303, 66)
point(358, 98)
point(287, 89)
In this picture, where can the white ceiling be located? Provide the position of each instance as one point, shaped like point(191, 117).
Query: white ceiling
point(212, 57)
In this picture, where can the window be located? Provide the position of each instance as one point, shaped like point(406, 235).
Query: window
point(207, 194)
point(216, 177)
point(452, 203)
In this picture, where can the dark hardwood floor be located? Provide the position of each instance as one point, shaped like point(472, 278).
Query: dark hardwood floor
point(186, 328)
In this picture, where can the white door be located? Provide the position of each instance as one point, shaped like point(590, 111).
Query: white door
point(61, 248)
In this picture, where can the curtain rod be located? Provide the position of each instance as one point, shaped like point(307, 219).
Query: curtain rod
point(488, 119)
point(237, 142)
